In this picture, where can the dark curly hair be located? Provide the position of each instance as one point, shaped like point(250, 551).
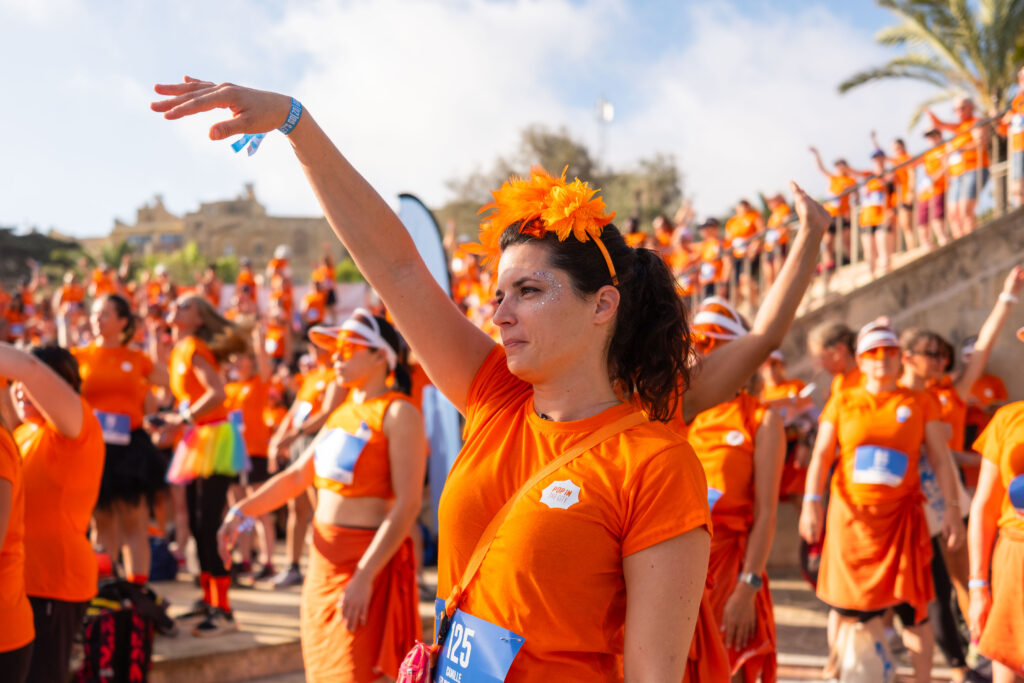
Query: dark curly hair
point(651, 340)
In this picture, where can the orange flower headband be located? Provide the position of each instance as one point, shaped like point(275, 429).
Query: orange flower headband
point(543, 203)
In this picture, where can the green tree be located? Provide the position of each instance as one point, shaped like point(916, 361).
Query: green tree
point(346, 271)
point(960, 47)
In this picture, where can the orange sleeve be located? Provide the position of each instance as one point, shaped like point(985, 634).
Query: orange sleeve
point(931, 407)
point(830, 413)
point(9, 458)
point(653, 511)
point(494, 388)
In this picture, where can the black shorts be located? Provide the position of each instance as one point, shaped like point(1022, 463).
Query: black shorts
point(903, 610)
point(737, 269)
point(132, 471)
point(874, 228)
point(57, 624)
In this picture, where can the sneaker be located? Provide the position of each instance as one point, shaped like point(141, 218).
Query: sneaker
point(217, 623)
point(265, 573)
point(199, 610)
point(288, 577)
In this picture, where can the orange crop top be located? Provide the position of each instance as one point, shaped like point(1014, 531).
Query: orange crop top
point(351, 458)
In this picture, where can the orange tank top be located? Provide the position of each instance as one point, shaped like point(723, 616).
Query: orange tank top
point(351, 458)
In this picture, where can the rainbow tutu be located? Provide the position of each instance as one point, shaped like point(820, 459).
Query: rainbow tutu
point(208, 449)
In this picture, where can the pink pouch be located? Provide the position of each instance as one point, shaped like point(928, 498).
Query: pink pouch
point(418, 665)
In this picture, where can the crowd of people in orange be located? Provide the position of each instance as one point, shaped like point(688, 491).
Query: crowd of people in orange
point(612, 510)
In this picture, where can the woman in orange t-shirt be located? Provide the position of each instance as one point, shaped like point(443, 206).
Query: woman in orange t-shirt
point(358, 613)
point(578, 318)
point(997, 613)
point(15, 609)
point(246, 398)
point(877, 550)
point(211, 451)
point(61, 446)
point(116, 380)
point(741, 445)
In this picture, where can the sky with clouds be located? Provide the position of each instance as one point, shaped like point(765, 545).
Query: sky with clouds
point(418, 92)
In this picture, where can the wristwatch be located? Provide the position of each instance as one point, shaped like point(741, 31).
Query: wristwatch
point(755, 581)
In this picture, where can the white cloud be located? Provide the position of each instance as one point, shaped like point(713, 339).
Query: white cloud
point(741, 103)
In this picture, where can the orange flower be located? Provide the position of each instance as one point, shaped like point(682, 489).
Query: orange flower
point(541, 203)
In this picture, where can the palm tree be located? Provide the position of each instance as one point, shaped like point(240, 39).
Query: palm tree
point(962, 47)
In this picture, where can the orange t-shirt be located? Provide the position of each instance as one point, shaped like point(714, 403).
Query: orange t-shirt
point(904, 190)
point(880, 438)
point(62, 483)
point(837, 184)
point(787, 388)
point(778, 233)
point(723, 438)
point(1015, 130)
point(988, 389)
point(102, 284)
point(249, 399)
point(246, 278)
point(323, 273)
point(352, 457)
point(1002, 444)
point(928, 185)
point(273, 342)
point(847, 380)
point(310, 395)
point(185, 385)
point(72, 294)
point(952, 410)
point(963, 160)
point(711, 267)
point(875, 200)
point(313, 306)
point(16, 325)
point(553, 574)
point(115, 380)
point(15, 610)
point(635, 239)
point(739, 230)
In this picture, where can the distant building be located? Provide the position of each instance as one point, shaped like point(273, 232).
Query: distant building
point(233, 227)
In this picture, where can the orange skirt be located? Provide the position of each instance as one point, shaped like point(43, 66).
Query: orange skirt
point(757, 659)
point(330, 652)
point(876, 556)
point(1003, 638)
point(708, 662)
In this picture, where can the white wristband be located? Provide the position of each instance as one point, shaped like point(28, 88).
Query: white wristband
point(1007, 297)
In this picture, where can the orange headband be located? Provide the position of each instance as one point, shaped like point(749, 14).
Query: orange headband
point(541, 204)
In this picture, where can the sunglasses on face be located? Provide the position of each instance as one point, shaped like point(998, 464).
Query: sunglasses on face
point(933, 355)
point(881, 353)
point(349, 345)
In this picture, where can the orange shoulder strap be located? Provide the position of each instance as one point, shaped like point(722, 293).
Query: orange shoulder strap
point(604, 433)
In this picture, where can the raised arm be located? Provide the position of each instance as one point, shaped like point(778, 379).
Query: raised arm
point(54, 398)
point(939, 123)
point(990, 330)
point(450, 347)
point(725, 371)
point(817, 160)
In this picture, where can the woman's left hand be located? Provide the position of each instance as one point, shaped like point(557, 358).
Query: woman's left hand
point(739, 618)
point(354, 602)
point(953, 529)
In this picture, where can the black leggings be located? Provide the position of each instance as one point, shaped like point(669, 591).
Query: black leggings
point(14, 664)
point(206, 499)
point(941, 612)
point(57, 623)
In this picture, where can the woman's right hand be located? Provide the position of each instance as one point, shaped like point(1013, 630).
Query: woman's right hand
point(226, 536)
point(252, 111)
point(981, 605)
point(810, 521)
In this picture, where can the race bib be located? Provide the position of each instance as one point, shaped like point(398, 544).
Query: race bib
point(117, 427)
point(301, 412)
point(17, 329)
point(874, 199)
point(878, 465)
point(338, 452)
point(270, 346)
point(1017, 123)
point(235, 418)
point(1016, 493)
point(771, 237)
point(476, 651)
point(955, 158)
point(713, 496)
point(707, 272)
point(312, 315)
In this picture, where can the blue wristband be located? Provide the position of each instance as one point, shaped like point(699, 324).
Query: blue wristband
point(812, 497)
point(977, 583)
point(293, 117)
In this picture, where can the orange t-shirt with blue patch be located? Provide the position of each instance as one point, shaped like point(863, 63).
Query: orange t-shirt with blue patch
point(15, 609)
point(554, 571)
point(115, 379)
point(880, 438)
point(1002, 444)
point(723, 439)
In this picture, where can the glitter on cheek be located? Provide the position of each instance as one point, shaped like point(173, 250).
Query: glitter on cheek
point(553, 287)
